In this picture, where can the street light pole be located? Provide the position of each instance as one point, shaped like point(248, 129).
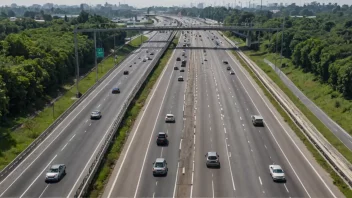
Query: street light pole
point(78, 95)
point(95, 55)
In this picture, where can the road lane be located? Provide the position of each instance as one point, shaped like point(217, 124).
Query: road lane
point(78, 150)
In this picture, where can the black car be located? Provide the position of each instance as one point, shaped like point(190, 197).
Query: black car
point(182, 70)
point(183, 64)
point(228, 68)
point(115, 90)
point(162, 139)
point(175, 68)
point(178, 59)
point(125, 72)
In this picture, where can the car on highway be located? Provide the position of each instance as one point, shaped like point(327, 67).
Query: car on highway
point(134, 62)
point(55, 173)
point(144, 60)
point(115, 90)
point(182, 70)
point(96, 114)
point(183, 63)
point(180, 78)
point(170, 118)
point(228, 68)
point(162, 139)
point(139, 57)
point(225, 62)
point(178, 59)
point(277, 173)
point(152, 53)
point(148, 58)
point(232, 73)
point(160, 167)
point(257, 120)
point(184, 45)
point(125, 72)
point(175, 68)
point(205, 59)
point(212, 159)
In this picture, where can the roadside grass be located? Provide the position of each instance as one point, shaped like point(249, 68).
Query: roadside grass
point(126, 126)
point(137, 41)
point(13, 143)
point(323, 163)
point(258, 59)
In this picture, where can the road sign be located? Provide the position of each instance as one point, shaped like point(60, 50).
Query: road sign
point(100, 52)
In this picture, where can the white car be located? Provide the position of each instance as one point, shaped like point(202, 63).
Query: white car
point(169, 118)
point(277, 173)
point(180, 78)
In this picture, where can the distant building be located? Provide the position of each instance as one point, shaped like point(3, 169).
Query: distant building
point(13, 5)
point(35, 6)
point(12, 18)
point(200, 5)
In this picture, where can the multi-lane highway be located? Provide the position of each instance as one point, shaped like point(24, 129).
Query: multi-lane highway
point(77, 139)
point(213, 113)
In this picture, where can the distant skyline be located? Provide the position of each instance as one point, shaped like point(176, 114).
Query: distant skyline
point(143, 3)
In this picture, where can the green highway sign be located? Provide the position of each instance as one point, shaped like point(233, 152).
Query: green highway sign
point(99, 52)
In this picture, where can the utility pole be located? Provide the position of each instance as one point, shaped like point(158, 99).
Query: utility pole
point(95, 55)
point(282, 39)
point(78, 94)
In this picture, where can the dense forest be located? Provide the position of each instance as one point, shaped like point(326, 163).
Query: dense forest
point(320, 45)
point(37, 58)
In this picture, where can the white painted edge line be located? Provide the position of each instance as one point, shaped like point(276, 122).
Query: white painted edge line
point(117, 71)
point(285, 132)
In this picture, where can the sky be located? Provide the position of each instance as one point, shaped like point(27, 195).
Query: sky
point(144, 3)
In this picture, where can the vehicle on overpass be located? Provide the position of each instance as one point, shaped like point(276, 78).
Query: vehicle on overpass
point(115, 90)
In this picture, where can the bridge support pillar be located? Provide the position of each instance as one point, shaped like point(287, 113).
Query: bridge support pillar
point(249, 39)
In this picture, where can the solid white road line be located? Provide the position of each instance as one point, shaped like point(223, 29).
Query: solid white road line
point(118, 70)
point(146, 153)
point(287, 135)
point(129, 146)
point(40, 174)
point(212, 187)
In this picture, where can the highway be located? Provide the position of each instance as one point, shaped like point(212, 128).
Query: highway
point(77, 139)
point(213, 113)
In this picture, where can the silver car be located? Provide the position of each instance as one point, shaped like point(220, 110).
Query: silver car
point(277, 173)
point(160, 167)
point(169, 118)
point(212, 159)
point(257, 120)
point(95, 114)
point(55, 173)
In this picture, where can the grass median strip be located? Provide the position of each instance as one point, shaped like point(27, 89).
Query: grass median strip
point(13, 143)
point(323, 163)
point(137, 104)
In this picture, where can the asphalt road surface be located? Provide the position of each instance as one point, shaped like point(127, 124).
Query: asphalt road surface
point(77, 139)
point(217, 106)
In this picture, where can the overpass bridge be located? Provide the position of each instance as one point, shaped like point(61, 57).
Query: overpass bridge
point(246, 29)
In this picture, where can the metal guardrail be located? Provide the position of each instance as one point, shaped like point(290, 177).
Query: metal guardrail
point(336, 160)
point(12, 165)
point(83, 187)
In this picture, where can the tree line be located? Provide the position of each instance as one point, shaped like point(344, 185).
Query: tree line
point(321, 45)
point(37, 58)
